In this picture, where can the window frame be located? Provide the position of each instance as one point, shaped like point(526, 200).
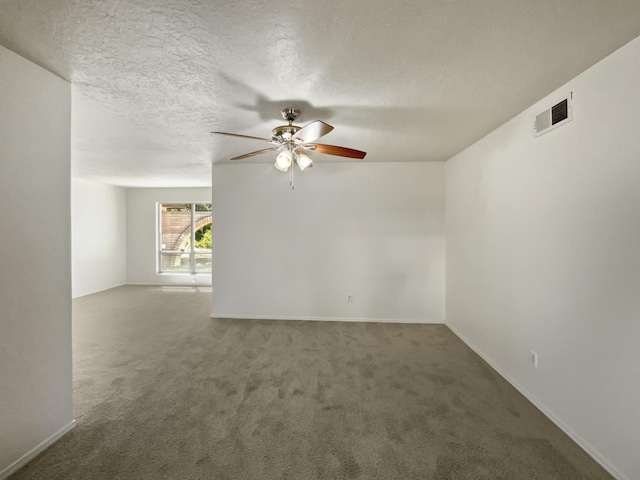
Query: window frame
point(192, 250)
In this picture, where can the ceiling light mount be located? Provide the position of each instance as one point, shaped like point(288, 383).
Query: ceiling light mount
point(290, 114)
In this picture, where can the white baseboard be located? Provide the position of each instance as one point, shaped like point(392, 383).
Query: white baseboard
point(75, 295)
point(170, 283)
point(31, 454)
point(326, 319)
point(586, 446)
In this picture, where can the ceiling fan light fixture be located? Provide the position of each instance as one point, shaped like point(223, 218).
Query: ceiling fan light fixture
point(283, 161)
point(303, 161)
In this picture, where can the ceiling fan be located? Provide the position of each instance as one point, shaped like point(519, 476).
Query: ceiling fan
point(293, 141)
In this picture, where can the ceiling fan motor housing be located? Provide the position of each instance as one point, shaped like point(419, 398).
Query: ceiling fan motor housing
point(283, 133)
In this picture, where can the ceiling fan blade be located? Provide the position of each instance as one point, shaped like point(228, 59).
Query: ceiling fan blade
point(243, 136)
point(335, 150)
point(257, 152)
point(312, 132)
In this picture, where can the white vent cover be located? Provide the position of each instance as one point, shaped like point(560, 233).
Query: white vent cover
point(559, 114)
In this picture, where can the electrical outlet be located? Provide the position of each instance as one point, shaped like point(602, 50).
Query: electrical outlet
point(533, 359)
point(349, 297)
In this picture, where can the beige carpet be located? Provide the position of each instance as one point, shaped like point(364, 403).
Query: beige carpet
point(164, 392)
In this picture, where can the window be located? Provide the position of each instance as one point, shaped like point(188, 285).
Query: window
point(184, 237)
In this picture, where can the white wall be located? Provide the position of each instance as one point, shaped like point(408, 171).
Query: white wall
point(35, 278)
point(142, 230)
point(99, 237)
point(374, 230)
point(543, 253)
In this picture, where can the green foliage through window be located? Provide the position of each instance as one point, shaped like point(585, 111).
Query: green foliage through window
point(203, 237)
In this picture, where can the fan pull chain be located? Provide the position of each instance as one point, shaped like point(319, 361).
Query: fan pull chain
point(291, 176)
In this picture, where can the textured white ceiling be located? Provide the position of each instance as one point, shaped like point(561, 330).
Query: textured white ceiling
point(417, 80)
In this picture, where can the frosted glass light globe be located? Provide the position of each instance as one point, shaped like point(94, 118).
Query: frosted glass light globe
point(283, 161)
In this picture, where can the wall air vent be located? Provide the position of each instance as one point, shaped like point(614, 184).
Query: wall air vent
point(559, 114)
